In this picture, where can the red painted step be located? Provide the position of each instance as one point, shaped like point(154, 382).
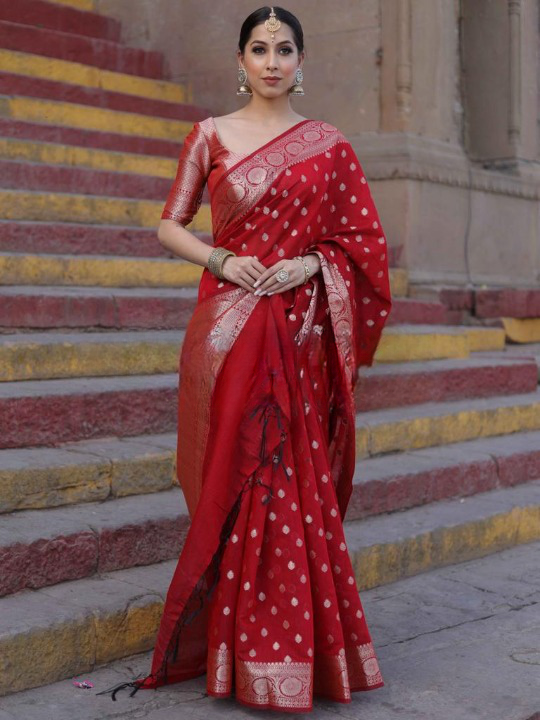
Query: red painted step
point(405, 384)
point(508, 302)
point(45, 547)
point(81, 49)
point(419, 477)
point(47, 412)
point(74, 239)
point(484, 303)
point(41, 308)
point(89, 138)
point(60, 17)
point(419, 312)
point(22, 85)
point(84, 181)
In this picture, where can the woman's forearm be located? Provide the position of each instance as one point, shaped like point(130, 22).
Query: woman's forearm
point(183, 243)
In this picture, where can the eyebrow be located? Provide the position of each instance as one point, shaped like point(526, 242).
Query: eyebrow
point(263, 42)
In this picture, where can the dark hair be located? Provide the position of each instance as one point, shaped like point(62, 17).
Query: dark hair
point(259, 16)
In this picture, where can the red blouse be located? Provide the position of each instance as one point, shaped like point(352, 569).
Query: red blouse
point(203, 159)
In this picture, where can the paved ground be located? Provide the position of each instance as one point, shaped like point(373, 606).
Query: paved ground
point(459, 643)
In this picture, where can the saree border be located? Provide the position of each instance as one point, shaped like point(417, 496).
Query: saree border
point(213, 330)
point(293, 684)
point(251, 178)
point(262, 149)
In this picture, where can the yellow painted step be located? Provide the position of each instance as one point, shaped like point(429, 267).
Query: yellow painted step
point(51, 207)
point(74, 73)
point(26, 269)
point(86, 5)
point(71, 155)
point(522, 330)
point(96, 355)
point(38, 357)
point(399, 282)
point(434, 424)
point(88, 270)
point(86, 471)
point(485, 338)
point(398, 345)
point(85, 118)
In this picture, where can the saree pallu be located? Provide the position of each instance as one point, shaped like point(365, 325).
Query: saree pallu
point(264, 597)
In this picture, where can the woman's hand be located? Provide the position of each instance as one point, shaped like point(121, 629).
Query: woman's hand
point(242, 270)
point(268, 285)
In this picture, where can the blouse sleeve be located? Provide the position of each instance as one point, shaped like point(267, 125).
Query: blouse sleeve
point(185, 195)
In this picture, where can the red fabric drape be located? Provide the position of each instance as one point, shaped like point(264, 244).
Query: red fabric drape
point(264, 597)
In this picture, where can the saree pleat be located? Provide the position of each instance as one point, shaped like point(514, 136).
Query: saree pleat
point(264, 596)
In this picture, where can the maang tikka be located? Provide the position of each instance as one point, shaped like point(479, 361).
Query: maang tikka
point(272, 24)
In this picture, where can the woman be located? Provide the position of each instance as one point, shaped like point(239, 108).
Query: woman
point(293, 298)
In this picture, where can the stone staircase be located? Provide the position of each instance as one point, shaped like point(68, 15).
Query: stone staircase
point(92, 316)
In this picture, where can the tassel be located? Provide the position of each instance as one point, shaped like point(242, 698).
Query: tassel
point(134, 684)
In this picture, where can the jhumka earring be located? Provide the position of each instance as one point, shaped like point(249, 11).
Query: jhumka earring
point(297, 88)
point(243, 88)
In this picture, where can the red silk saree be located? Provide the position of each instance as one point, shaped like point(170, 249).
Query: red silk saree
point(264, 598)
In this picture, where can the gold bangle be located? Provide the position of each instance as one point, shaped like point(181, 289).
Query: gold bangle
point(306, 268)
point(216, 260)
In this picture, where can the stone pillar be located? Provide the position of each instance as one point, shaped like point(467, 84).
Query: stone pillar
point(454, 167)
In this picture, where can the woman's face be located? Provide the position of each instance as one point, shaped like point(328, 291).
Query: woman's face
point(263, 58)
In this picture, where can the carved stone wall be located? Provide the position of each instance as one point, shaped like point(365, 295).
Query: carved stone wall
point(440, 99)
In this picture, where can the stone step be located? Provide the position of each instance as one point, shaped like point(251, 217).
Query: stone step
point(92, 471)
point(39, 356)
point(52, 16)
point(43, 178)
point(47, 412)
point(46, 547)
point(84, 5)
point(522, 330)
point(80, 74)
point(88, 471)
point(485, 303)
point(93, 270)
point(74, 115)
point(54, 154)
point(77, 625)
point(415, 311)
point(62, 45)
point(90, 209)
point(432, 424)
point(45, 308)
point(74, 239)
point(21, 85)
point(407, 343)
point(49, 355)
point(406, 384)
point(41, 547)
point(108, 271)
point(101, 469)
point(23, 130)
point(519, 351)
